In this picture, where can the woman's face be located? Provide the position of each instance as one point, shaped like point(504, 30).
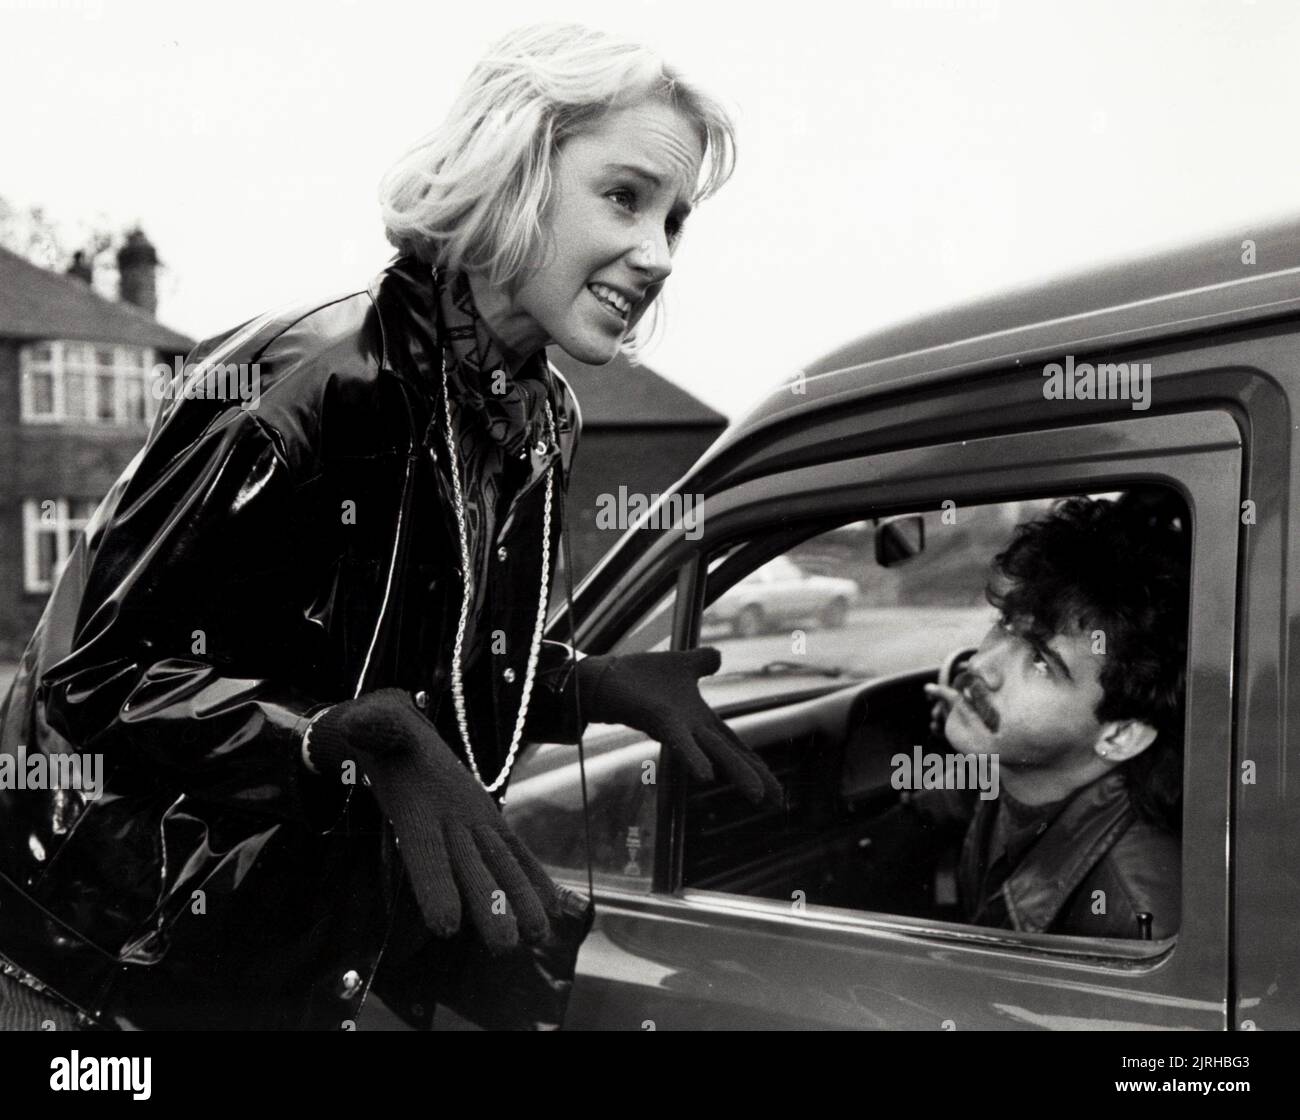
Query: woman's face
point(621, 191)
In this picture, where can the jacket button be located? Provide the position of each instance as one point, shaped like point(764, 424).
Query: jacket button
point(350, 983)
point(501, 553)
point(509, 675)
point(422, 699)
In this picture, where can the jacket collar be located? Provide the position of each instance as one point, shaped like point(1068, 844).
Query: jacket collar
point(410, 309)
point(1082, 833)
point(511, 408)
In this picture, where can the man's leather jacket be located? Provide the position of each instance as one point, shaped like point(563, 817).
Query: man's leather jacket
point(1093, 870)
point(251, 566)
point(1089, 870)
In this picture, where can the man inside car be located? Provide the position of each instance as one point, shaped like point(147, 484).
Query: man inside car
point(1077, 691)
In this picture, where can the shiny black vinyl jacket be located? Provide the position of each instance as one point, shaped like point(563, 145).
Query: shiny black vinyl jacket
point(251, 566)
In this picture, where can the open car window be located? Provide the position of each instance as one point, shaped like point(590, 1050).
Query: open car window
point(890, 817)
point(827, 610)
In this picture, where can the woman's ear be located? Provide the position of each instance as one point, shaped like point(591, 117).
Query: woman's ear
point(1122, 739)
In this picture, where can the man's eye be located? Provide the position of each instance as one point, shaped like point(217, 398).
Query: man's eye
point(1042, 666)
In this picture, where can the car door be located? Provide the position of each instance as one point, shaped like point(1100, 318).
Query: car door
point(668, 955)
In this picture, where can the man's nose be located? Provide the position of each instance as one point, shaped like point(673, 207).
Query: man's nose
point(987, 664)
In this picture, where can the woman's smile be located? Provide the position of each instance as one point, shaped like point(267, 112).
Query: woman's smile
point(613, 304)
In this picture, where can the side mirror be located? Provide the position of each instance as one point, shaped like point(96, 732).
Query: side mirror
point(898, 539)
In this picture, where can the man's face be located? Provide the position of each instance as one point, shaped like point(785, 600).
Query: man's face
point(1031, 704)
point(610, 225)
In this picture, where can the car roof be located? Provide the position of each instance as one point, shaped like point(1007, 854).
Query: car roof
point(1175, 291)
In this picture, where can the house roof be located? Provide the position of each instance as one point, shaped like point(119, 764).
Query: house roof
point(623, 395)
point(37, 303)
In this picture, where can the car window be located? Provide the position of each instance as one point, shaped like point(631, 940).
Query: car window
point(826, 610)
point(871, 824)
point(779, 569)
point(545, 804)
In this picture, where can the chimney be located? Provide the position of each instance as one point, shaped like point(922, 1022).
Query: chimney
point(82, 268)
point(137, 264)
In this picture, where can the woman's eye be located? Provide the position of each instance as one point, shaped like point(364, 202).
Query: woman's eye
point(624, 193)
point(1041, 665)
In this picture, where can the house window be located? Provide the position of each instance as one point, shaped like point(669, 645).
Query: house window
point(50, 529)
point(81, 383)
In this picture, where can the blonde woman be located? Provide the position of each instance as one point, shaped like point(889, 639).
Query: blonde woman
point(305, 636)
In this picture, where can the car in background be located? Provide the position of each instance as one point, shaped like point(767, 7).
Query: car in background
point(780, 593)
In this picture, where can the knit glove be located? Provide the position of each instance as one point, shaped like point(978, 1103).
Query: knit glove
point(659, 694)
point(456, 846)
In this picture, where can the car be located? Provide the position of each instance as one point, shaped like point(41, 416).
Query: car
point(901, 461)
point(780, 592)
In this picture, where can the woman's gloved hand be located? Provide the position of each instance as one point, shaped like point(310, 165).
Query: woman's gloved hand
point(659, 694)
point(456, 846)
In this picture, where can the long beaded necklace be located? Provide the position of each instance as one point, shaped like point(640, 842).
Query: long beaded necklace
point(457, 682)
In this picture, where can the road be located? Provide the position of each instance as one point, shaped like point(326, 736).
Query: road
point(874, 641)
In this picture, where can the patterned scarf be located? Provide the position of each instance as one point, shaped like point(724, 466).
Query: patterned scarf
point(512, 408)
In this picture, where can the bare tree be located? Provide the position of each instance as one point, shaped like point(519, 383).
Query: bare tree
point(32, 234)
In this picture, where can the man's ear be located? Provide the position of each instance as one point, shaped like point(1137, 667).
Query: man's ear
point(1122, 739)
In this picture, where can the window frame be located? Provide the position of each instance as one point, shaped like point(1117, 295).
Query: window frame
point(75, 357)
point(65, 531)
point(1199, 454)
point(755, 544)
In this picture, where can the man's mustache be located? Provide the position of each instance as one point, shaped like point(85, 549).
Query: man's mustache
point(976, 693)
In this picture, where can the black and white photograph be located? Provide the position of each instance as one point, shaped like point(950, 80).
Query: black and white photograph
point(658, 517)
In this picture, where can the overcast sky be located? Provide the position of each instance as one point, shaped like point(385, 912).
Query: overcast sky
point(895, 156)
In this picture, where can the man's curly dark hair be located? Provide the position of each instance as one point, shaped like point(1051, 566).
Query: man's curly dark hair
point(1120, 567)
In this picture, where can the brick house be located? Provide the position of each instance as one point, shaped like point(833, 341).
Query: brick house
point(75, 407)
point(639, 430)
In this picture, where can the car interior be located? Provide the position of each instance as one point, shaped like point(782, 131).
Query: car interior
point(832, 755)
point(841, 841)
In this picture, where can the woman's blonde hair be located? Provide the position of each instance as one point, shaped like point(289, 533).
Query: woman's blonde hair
point(471, 195)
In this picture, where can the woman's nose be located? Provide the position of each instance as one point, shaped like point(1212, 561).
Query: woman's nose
point(652, 258)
